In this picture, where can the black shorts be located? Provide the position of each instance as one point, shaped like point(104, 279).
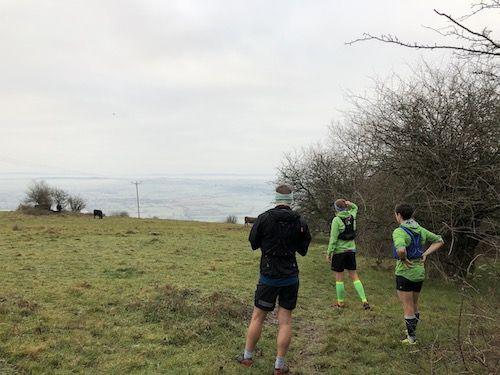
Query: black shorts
point(405, 285)
point(343, 261)
point(266, 295)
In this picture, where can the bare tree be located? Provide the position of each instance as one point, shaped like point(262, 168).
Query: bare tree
point(39, 194)
point(60, 197)
point(76, 203)
point(318, 175)
point(231, 219)
point(344, 167)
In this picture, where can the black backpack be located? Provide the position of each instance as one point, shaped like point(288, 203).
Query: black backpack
point(349, 232)
point(287, 231)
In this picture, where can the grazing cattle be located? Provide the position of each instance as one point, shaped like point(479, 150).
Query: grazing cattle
point(98, 213)
point(249, 220)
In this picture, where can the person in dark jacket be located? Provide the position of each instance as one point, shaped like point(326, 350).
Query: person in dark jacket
point(279, 232)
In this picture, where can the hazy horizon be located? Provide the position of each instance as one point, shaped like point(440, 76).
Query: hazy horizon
point(194, 197)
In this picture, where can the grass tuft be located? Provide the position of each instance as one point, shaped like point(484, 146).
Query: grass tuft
point(170, 303)
point(26, 308)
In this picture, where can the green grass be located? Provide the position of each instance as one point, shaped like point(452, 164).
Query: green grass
point(122, 295)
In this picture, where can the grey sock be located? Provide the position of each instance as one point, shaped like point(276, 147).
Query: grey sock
point(280, 362)
point(247, 354)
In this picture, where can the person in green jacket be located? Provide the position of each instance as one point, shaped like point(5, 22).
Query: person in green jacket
point(341, 253)
point(409, 239)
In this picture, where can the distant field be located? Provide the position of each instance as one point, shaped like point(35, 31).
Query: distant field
point(122, 295)
point(196, 197)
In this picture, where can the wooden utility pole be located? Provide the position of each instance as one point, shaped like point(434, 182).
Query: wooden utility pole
point(137, 183)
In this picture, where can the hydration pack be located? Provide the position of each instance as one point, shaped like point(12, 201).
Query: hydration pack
point(349, 232)
point(288, 231)
point(414, 249)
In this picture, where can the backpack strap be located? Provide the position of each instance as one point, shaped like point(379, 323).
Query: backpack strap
point(344, 220)
point(347, 217)
point(409, 232)
point(415, 240)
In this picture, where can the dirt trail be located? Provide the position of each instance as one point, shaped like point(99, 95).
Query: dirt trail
point(310, 333)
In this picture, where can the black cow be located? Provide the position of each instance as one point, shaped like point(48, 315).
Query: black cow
point(98, 213)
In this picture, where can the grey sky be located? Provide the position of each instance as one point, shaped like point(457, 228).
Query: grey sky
point(136, 87)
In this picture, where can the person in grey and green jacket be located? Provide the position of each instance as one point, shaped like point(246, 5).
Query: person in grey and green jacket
point(341, 253)
point(408, 241)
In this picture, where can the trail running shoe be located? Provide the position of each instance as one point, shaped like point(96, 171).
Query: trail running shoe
point(338, 305)
point(366, 306)
point(408, 341)
point(244, 362)
point(284, 370)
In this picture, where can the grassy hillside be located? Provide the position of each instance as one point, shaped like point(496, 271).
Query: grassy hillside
point(122, 295)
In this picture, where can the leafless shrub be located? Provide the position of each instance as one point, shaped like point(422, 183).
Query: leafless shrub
point(60, 197)
point(76, 203)
point(231, 219)
point(431, 141)
point(318, 175)
point(437, 137)
point(39, 194)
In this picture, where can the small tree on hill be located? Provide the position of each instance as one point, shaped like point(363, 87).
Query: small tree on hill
point(39, 194)
point(76, 203)
point(60, 197)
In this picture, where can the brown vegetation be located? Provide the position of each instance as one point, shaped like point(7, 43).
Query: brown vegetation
point(433, 142)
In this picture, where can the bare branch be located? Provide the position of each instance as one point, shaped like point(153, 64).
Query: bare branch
point(478, 7)
point(394, 40)
point(480, 43)
point(481, 35)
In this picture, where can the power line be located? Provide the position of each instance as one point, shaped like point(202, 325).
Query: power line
point(137, 183)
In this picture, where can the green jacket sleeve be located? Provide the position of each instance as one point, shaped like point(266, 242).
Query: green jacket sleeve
point(334, 236)
point(353, 210)
point(428, 236)
point(399, 238)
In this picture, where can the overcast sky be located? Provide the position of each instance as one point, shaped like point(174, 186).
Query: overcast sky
point(140, 86)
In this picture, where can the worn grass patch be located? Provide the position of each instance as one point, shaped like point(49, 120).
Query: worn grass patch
point(188, 315)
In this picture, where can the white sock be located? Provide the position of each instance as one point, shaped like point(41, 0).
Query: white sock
point(247, 354)
point(280, 362)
